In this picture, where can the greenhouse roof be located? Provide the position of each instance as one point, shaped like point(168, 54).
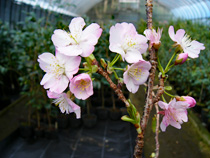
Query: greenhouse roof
point(184, 9)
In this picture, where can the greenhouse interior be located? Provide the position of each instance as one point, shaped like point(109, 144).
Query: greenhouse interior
point(105, 78)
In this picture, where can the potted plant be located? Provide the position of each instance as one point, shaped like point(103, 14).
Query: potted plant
point(89, 119)
point(114, 112)
point(102, 112)
point(73, 121)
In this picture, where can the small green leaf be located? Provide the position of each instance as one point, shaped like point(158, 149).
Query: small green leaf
point(154, 124)
point(168, 88)
point(128, 119)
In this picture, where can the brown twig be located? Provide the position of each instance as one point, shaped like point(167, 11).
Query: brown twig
point(160, 90)
point(117, 90)
point(157, 131)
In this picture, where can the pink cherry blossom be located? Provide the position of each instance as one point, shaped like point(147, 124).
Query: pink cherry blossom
point(81, 86)
point(185, 44)
point(181, 58)
point(59, 70)
point(65, 103)
point(125, 41)
point(136, 74)
point(153, 36)
point(175, 113)
point(78, 41)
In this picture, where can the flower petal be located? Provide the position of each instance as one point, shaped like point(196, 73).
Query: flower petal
point(46, 78)
point(61, 84)
point(52, 95)
point(129, 83)
point(164, 124)
point(179, 35)
point(87, 49)
point(61, 38)
point(171, 33)
point(163, 105)
point(72, 66)
point(117, 49)
point(76, 27)
point(72, 50)
point(75, 108)
point(133, 56)
point(92, 33)
point(194, 50)
point(175, 124)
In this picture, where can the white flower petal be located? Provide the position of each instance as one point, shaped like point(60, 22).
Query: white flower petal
point(61, 38)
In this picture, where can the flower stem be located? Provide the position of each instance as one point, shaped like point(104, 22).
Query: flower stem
point(115, 74)
point(163, 99)
point(159, 65)
point(168, 66)
point(169, 94)
point(115, 59)
point(116, 68)
point(84, 69)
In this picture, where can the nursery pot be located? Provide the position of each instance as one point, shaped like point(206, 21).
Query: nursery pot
point(102, 113)
point(38, 132)
point(63, 121)
point(74, 122)
point(114, 114)
point(51, 133)
point(90, 120)
point(26, 131)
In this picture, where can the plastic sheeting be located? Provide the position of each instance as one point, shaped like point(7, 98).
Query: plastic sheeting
point(68, 7)
point(108, 139)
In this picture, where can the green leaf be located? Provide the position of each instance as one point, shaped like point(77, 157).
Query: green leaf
point(168, 88)
point(128, 119)
point(154, 124)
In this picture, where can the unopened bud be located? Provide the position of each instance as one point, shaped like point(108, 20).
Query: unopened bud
point(190, 100)
point(157, 45)
point(181, 58)
point(103, 63)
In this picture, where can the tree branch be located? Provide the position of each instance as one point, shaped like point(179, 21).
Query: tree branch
point(157, 131)
point(112, 85)
point(149, 99)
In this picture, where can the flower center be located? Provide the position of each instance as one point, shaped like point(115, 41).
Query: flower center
point(57, 69)
point(135, 73)
point(186, 41)
point(83, 84)
point(129, 43)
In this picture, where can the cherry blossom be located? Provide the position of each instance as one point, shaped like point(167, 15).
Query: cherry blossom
point(175, 113)
point(154, 36)
point(59, 70)
point(184, 43)
point(125, 41)
point(65, 103)
point(136, 74)
point(81, 86)
point(78, 41)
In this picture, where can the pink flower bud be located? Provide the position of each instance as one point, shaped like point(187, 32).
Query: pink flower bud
point(190, 100)
point(181, 58)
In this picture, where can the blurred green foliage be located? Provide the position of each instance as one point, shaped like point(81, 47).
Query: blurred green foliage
point(20, 48)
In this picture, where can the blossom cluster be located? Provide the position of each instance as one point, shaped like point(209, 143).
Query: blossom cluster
point(62, 69)
point(70, 47)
